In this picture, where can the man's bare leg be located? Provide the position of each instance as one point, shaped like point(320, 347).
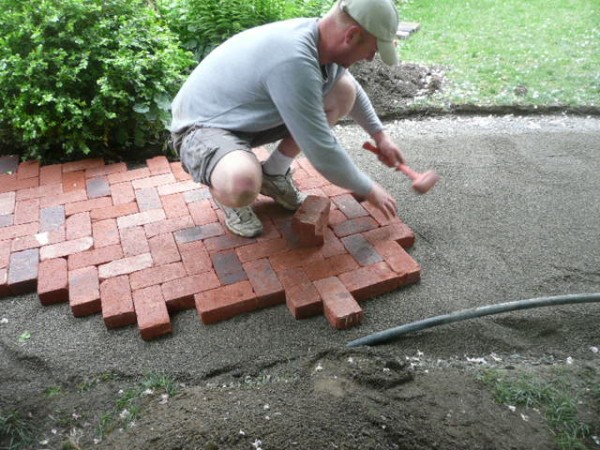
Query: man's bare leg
point(277, 181)
point(338, 104)
point(236, 179)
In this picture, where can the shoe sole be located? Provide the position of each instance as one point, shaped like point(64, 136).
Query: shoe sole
point(237, 233)
point(286, 205)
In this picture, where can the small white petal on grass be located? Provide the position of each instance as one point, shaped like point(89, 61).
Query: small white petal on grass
point(477, 360)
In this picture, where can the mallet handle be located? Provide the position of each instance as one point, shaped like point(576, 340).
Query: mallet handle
point(402, 167)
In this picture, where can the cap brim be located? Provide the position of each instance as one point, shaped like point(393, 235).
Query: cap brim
point(387, 51)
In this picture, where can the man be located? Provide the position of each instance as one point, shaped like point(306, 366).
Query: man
point(285, 81)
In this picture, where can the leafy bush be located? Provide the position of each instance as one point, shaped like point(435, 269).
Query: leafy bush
point(85, 77)
point(204, 24)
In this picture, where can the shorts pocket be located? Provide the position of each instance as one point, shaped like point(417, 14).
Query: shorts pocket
point(196, 155)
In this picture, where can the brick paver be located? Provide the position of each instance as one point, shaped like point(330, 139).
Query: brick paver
point(136, 246)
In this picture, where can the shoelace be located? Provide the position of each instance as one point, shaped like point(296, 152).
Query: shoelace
point(244, 213)
point(288, 184)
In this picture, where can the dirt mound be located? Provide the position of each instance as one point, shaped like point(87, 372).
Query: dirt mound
point(392, 88)
point(340, 399)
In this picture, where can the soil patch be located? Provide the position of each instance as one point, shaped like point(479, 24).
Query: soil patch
point(336, 399)
point(363, 398)
point(391, 89)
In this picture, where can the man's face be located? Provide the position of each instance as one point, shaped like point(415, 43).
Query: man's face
point(361, 45)
point(366, 47)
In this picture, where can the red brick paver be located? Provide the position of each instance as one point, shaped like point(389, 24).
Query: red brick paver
point(136, 246)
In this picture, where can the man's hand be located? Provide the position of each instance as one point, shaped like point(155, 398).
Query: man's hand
point(383, 201)
point(389, 153)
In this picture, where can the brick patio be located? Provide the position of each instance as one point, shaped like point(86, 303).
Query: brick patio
point(137, 245)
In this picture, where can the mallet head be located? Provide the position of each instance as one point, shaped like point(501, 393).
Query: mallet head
point(425, 181)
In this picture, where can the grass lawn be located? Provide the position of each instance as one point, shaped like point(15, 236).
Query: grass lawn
point(520, 52)
point(556, 393)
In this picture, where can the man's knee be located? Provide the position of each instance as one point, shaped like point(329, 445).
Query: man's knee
point(236, 179)
point(340, 100)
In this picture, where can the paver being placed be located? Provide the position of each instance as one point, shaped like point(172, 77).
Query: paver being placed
point(136, 246)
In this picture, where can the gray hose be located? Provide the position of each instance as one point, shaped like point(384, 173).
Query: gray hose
point(392, 333)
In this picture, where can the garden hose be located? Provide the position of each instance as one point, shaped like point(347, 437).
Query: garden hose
point(392, 333)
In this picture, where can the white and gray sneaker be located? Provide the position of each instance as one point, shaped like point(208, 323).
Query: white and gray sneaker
point(241, 221)
point(282, 189)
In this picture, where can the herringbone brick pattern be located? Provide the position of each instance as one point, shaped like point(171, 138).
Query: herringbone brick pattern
point(137, 245)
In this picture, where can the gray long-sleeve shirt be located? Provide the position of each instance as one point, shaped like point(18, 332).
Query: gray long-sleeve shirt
point(270, 75)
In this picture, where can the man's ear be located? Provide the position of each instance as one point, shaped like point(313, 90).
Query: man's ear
point(352, 35)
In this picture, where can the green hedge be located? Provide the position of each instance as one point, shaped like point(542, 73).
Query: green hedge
point(85, 78)
point(95, 78)
point(204, 24)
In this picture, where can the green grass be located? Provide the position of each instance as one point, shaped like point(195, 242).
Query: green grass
point(53, 391)
point(127, 406)
point(488, 48)
point(159, 382)
point(15, 432)
point(556, 395)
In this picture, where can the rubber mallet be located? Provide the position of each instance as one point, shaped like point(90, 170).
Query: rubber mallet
point(422, 182)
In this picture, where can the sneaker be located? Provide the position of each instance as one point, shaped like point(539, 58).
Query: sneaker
point(241, 221)
point(282, 189)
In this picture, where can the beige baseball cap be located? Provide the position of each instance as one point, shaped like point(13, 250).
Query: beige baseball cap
point(380, 18)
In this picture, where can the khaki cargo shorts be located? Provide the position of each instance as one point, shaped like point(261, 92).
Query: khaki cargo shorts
point(200, 148)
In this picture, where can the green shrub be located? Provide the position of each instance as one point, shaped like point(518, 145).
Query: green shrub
point(85, 77)
point(204, 24)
